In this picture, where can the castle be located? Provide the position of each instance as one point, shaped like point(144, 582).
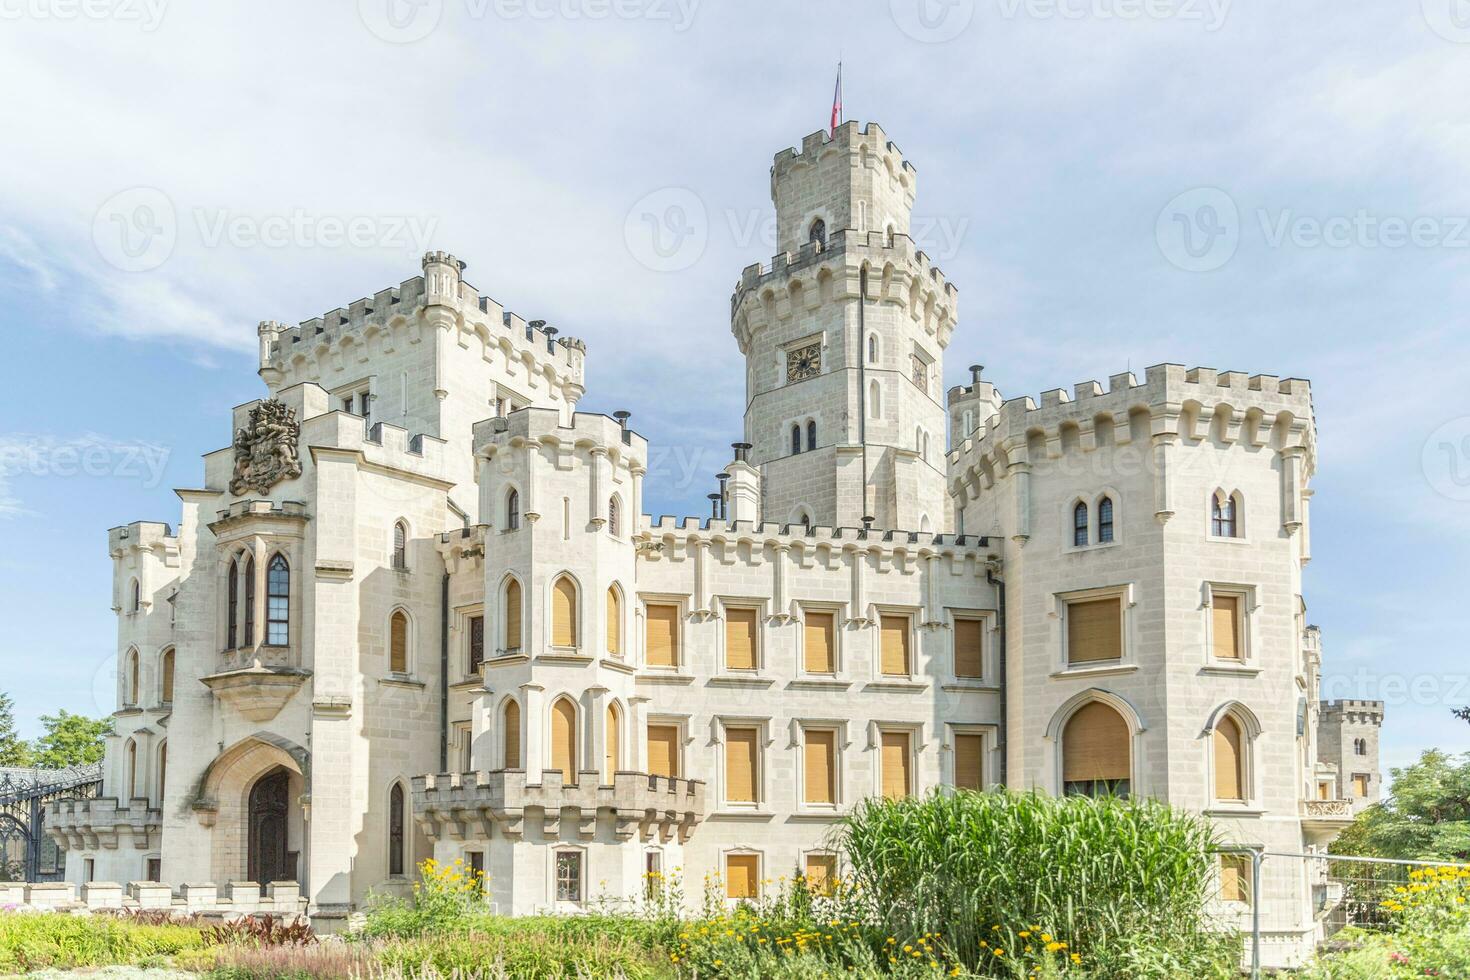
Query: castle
point(414, 608)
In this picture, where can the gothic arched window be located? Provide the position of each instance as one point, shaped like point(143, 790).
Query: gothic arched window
point(232, 619)
point(1105, 520)
point(513, 510)
point(811, 436)
point(1079, 525)
point(278, 602)
point(1224, 516)
point(818, 232)
point(796, 439)
point(250, 601)
point(1097, 757)
point(395, 831)
point(400, 546)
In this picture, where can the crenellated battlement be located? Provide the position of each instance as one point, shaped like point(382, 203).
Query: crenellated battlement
point(143, 536)
point(1184, 402)
point(885, 544)
point(851, 137)
point(1363, 711)
point(899, 272)
point(542, 427)
point(289, 354)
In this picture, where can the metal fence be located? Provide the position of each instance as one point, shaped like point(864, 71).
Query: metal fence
point(1292, 903)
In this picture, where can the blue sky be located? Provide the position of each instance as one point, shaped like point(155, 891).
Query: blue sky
point(1314, 152)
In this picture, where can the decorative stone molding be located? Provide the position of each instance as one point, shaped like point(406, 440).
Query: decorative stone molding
point(101, 823)
point(258, 692)
point(266, 450)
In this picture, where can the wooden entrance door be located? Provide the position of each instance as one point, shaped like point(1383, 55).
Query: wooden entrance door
point(269, 803)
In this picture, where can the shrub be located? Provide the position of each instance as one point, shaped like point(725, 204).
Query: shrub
point(444, 898)
point(1125, 884)
point(325, 961)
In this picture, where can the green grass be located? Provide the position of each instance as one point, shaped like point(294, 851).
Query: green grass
point(39, 941)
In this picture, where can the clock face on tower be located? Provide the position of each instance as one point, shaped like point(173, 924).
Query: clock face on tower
point(803, 363)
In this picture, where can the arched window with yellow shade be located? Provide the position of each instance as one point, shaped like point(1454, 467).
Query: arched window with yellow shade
point(564, 612)
point(564, 739)
point(1097, 757)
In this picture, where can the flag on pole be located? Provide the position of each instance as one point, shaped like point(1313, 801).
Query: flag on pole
point(837, 101)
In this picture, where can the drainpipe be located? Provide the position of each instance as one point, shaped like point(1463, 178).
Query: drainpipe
point(444, 673)
point(862, 354)
point(1002, 741)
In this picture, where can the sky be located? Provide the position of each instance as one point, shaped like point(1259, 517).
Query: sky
point(1267, 187)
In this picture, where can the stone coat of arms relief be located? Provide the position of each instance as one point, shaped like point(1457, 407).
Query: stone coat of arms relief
point(266, 449)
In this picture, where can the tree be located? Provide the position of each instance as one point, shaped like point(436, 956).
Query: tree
point(70, 740)
point(1425, 817)
point(14, 752)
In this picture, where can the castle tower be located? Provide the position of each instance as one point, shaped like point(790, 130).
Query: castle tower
point(844, 337)
point(1347, 738)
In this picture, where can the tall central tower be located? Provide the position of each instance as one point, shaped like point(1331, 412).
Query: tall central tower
point(844, 337)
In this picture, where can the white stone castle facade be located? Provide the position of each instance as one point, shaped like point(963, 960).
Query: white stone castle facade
point(415, 608)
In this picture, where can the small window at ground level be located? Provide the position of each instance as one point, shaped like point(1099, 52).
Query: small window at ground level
point(568, 876)
point(1235, 878)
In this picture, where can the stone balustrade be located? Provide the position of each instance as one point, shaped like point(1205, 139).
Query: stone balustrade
point(101, 822)
point(474, 805)
point(282, 899)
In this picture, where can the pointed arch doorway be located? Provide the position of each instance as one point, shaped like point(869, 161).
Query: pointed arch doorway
point(270, 800)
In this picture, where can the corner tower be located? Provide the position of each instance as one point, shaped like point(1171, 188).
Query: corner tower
point(844, 336)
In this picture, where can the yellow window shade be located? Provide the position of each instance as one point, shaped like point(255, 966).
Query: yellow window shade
point(1360, 786)
point(894, 637)
point(564, 739)
point(663, 750)
point(821, 873)
point(1229, 784)
point(1096, 745)
point(168, 677)
point(821, 758)
point(820, 635)
point(740, 639)
point(1235, 878)
point(511, 735)
point(969, 648)
point(613, 741)
point(513, 616)
point(741, 765)
point(614, 623)
point(564, 613)
point(969, 764)
point(663, 636)
point(896, 762)
point(398, 649)
point(742, 875)
point(1094, 631)
point(1225, 618)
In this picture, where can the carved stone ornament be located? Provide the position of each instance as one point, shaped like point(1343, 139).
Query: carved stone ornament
point(266, 449)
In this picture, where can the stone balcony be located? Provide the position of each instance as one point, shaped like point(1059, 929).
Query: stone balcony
point(101, 823)
point(474, 805)
point(1322, 820)
point(259, 690)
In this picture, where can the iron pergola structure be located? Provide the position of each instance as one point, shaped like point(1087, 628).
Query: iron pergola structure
point(26, 853)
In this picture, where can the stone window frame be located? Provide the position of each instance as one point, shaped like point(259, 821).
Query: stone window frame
point(915, 732)
point(463, 617)
point(989, 741)
point(681, 660)
point(1062, 665)
point(762, 724)
point(1251, 776)
point(742, 603)
point(1250, 624)
point(1132, 718)
point(989, 653)
point(410, 655)
point(838, 611)
point(553, 883)
point(913, 613)
point(841, 743)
